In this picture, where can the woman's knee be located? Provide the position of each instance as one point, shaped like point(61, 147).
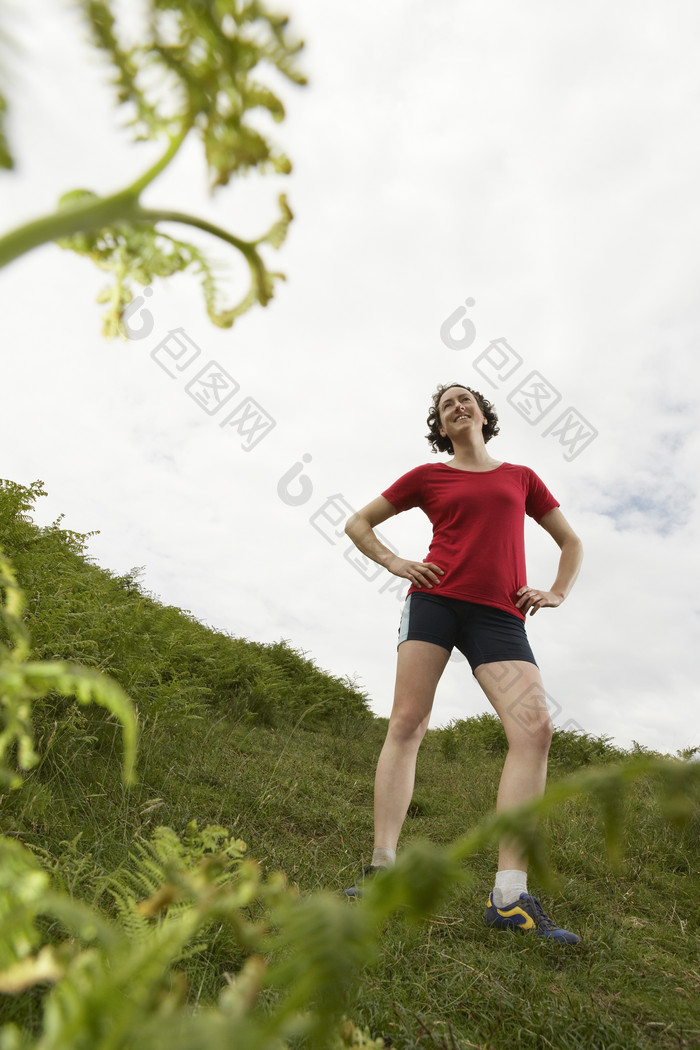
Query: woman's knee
point(407, 726)
point(535, 735)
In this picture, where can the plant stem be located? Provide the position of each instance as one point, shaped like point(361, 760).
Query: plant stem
point(167, 215)
point(83, 217)
point(86, 215)
point(148, 176)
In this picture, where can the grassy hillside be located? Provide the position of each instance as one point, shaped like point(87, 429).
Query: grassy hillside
point(256, 739)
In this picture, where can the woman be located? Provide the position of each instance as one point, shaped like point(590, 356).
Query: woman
point(469, 592)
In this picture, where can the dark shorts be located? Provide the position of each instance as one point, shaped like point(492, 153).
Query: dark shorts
point(483, 633)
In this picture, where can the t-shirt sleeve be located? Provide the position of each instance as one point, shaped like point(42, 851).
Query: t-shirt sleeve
point(407, 491)
point(539, 500)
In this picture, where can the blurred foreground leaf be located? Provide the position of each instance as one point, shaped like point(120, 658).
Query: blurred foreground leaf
point(191, 69)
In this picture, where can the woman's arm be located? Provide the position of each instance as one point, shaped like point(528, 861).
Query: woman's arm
point(360, 528)
point(570, 561)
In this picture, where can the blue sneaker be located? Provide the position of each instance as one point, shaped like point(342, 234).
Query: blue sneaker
point(526, 914)
point(356, 891)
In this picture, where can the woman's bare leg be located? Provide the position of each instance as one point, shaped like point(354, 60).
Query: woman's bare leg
point(515, 689)
point(419, 667)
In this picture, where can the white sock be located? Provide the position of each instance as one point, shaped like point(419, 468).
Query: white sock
point(510, 883)
point(383, 857)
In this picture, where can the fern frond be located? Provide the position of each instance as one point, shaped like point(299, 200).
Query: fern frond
point(23, 681)
point(6, 160)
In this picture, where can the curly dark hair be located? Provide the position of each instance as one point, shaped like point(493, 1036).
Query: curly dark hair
point(443, 444)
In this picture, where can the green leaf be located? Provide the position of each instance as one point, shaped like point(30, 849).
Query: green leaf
point(195, 61)
point(23, 884)
point(6, 160)
point(23, 681)
point(190, 69)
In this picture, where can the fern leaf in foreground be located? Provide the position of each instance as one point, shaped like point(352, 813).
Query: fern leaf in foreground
point(190, 71)
point(23, 681)
point(118, 984)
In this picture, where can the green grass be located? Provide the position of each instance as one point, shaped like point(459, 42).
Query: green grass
point(294, 781)
point(302, 803)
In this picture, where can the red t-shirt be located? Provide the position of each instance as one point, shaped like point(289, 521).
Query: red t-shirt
point(478, 523)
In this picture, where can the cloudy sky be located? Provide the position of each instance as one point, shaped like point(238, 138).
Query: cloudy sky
point(499, 194)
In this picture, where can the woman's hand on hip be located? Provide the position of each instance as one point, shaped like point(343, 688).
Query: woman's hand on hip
point(533, 600)
point(420, 573)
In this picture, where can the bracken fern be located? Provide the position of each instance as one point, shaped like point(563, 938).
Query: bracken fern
point(190, 70)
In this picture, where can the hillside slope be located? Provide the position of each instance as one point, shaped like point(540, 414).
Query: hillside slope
point(257, 739)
